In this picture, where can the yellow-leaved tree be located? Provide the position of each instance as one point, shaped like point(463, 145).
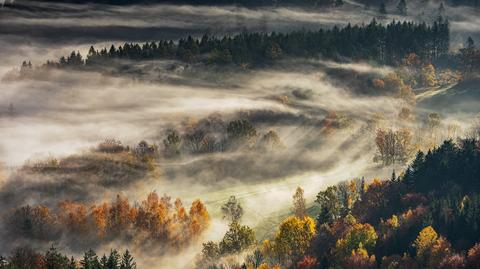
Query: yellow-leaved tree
point(292, 239)
point(431, 248)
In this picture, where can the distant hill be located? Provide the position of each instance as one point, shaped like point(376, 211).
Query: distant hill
point(464, 97)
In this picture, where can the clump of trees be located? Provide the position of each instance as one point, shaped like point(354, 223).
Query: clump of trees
point(155, 220)
point(238, 238)
point(27, 258)
point(213, 134)
point(393, 146)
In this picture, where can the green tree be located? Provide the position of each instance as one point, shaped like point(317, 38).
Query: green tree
point(90, 260)
point(72, 264)
point(402, 7)
point(232, 210)
point(237, 239)
point(172, 143)
point(127, 261)
point(330, 206)
point(113, 261)
point(360, 236)
point(239, 129)
point(55, 260)
point(210, 251)
point(103, 261)
point(383, 8)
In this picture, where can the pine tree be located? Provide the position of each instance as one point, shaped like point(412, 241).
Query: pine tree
point(402, 7)
point(383, 8)
point(394, 176)
point(90, 260)
point(72, 264)
point(113, 260)
point(127, 261)
point(103, 262)
point(408, 179)
point(55, 260)
point(362, 190)
point(441, 10)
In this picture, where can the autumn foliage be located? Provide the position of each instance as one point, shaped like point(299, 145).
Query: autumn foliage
point(153, 220)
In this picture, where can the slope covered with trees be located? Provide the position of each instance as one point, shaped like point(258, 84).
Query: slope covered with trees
point(387, 44)
point(425, 218)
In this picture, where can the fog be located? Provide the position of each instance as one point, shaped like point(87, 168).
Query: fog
point(67, 112)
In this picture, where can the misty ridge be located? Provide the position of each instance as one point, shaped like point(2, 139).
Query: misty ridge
point(339, 136)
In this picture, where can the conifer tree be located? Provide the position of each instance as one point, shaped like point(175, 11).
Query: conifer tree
point(128, 261)
point(383, 8)
point(402, 7)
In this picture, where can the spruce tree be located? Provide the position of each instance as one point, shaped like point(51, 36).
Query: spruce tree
point(72, 264)
point(90, 260)
point(383, 8)
point(103, 261)
point(113, 260)
point(127, 261)
point(402, 7)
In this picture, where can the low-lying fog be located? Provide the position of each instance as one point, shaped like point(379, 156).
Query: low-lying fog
point(69, 112)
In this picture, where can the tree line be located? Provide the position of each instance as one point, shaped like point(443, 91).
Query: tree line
point(387, 44)
point(27, 258)
point(153, 221)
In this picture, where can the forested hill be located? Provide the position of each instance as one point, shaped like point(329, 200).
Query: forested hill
point(386, 44)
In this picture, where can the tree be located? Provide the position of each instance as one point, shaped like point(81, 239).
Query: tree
point(241, 129)
point(360, 236)
point(293, 238)
point(431, 249)
point(383, 8)
point(237, 239)
point(113, 261)
point(273, 51)
point(127, 261)
point(453, 262)
point(172, 143)
point(299, 207)
point(329, 205)
point(232, 210)
point(441, 10)
point(55, 260)
point(402, 7)
point(26, 258)
point(467, 56)
point(308, 262)
point(72, 264)
point(210, 251)
point(199, 218)
point(393, 146)
point(90, 260)
point(429, 76)
point(434, 120)
point(473, 256)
